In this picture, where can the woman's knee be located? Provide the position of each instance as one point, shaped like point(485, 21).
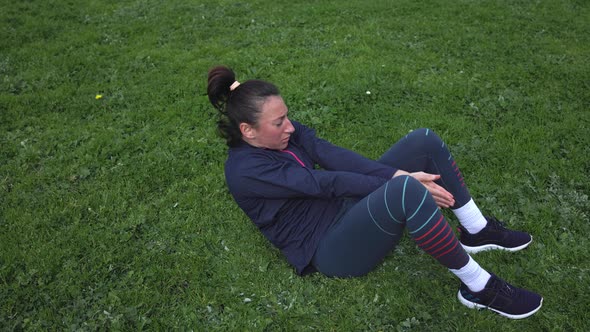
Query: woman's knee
point(405, 195)
point(403, 183)
point(405, 187)
point(425, 139)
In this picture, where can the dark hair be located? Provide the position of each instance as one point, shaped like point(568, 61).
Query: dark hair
point(237, 106)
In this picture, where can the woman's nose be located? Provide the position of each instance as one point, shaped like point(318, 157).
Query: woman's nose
point(290, 128)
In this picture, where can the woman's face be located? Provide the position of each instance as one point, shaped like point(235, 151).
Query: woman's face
point(274, 128)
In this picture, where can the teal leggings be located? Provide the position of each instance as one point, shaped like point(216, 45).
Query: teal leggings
point(373, 226)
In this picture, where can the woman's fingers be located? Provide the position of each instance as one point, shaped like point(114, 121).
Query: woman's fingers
point(421, 176)
point(443, 201)
point(441, 196)
point(440, 190)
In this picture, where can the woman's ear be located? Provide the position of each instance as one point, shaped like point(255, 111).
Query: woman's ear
point(247, 130)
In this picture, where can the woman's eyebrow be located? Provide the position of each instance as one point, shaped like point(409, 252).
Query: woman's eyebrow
point(282, 117)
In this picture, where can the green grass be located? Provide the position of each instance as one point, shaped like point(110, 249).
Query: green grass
point(114, 213)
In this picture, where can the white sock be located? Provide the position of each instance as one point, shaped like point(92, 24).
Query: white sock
point(470, 217)
point(472, 275)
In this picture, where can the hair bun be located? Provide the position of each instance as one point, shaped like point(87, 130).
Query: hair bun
point(218, 85)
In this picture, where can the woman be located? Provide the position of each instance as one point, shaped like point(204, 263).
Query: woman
point(344, 218)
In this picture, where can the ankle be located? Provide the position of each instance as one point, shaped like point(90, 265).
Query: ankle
point(470, 217)
point(472, 275)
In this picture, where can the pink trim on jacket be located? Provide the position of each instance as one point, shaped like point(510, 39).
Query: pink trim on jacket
point(294, 156)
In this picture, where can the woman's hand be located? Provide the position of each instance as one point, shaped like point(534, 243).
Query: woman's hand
point(442, 197)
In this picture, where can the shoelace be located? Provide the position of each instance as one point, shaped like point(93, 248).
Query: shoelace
point(506, 289)
point(492, 222)
point(503, 288)
point(496, 224)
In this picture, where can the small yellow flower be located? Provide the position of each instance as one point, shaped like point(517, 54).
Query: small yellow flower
point(98, 97)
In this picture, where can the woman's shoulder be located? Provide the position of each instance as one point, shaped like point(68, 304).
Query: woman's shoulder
point(299, 126)
point(302, 132)
point(245, 156)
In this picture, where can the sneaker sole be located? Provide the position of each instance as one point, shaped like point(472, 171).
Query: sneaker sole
point(485, 247)
point(473, 305)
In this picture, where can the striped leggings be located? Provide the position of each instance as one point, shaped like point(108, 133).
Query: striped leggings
point(373, 226)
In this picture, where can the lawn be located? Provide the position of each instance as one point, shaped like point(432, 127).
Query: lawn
point(114, 214)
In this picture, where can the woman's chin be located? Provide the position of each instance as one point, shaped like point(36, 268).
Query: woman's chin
point(284, 144)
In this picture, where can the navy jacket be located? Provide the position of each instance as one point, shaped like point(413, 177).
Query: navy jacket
point(290, 200)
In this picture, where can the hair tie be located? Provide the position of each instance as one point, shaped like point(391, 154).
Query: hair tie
point(234, 86)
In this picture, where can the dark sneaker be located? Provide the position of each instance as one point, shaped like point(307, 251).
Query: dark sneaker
point(503, 298)
point(494, 236)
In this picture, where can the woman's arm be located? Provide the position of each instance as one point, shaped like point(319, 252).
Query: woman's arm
point(334, 158)
point(260, 176)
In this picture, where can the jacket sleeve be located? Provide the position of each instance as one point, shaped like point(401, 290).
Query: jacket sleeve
point(265, 177)
point(334, 158)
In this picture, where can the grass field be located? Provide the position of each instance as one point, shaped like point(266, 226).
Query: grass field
point(114, 213)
